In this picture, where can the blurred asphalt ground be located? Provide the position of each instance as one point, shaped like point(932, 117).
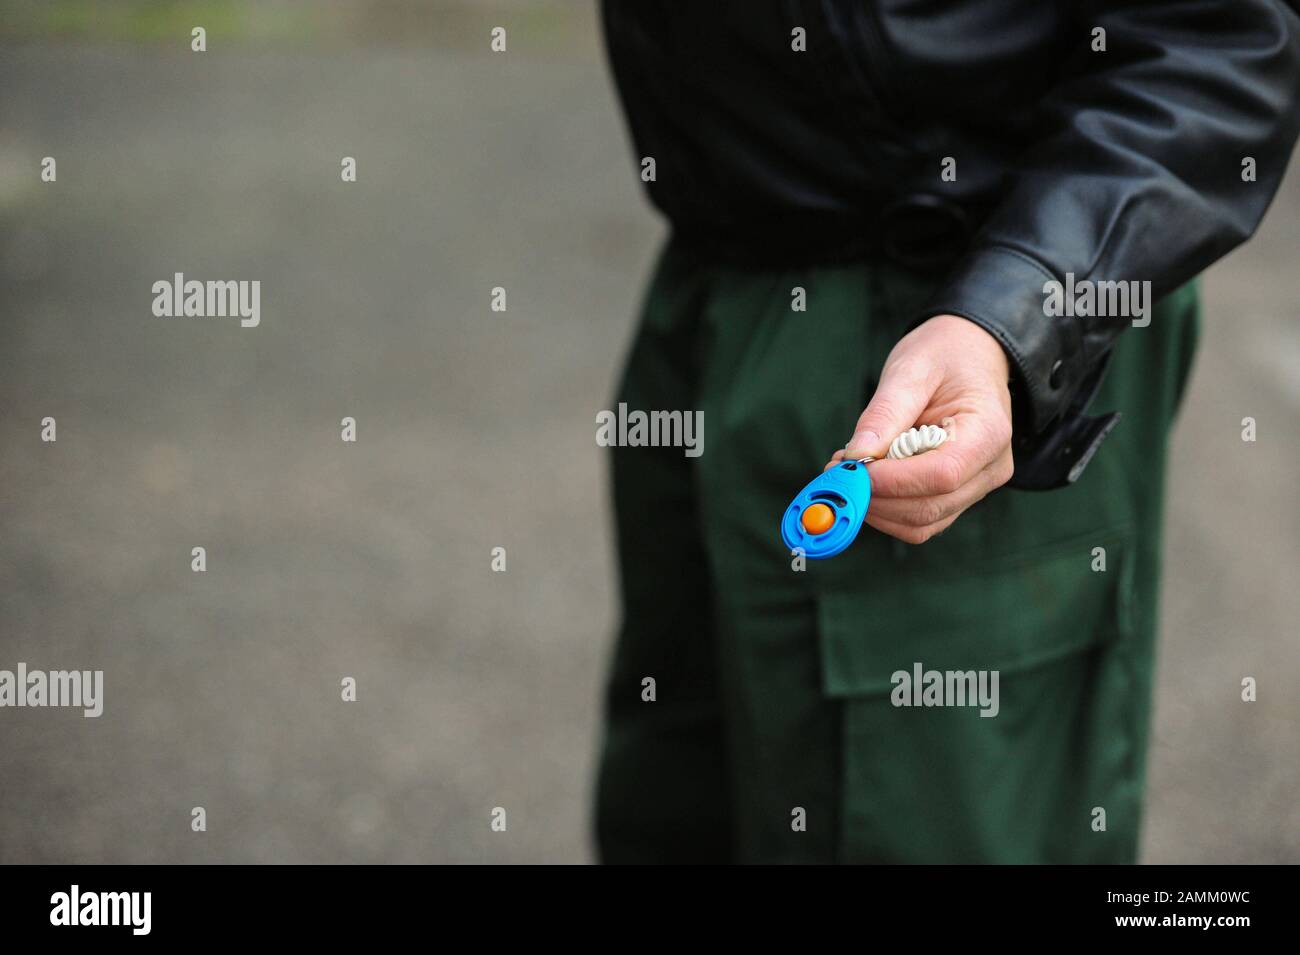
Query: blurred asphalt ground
point(475, 430)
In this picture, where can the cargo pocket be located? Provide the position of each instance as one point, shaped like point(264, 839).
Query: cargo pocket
point(1028, 728)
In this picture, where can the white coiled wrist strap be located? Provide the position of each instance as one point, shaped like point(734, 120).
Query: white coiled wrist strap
point(914, 441)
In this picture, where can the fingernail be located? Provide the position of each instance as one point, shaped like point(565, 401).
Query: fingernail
point(862, 442)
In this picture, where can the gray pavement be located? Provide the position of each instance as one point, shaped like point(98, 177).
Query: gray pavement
point(475, 430)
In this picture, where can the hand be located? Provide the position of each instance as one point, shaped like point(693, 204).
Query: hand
point(947, 371)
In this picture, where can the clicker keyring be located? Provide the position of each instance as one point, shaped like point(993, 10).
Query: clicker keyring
point(826, 516)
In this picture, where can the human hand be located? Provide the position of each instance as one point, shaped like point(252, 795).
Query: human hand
point(946, 371)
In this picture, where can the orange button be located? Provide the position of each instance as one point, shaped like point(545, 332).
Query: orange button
point(818, 519)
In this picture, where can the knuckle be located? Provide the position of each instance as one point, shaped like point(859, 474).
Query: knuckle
point(949, 474)
point(1000, 432)
point(914, 535)
point(883, 408)
point(929, 511)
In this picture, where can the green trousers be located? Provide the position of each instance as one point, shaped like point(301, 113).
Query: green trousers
point(751, 708)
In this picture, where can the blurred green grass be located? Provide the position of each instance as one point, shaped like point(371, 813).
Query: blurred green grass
point(540, 26)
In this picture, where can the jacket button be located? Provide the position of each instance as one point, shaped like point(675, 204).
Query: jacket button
point(1054, 379)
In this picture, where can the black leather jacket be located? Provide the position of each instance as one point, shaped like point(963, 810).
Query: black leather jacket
point(1128, 163)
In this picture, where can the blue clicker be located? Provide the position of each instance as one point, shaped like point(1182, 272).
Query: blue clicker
point(825, 517)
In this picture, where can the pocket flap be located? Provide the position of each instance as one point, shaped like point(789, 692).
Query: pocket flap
point(1012, 616)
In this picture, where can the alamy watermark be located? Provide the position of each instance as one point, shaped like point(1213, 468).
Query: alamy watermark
point(922, 687)
point(1084, 297)
point(83, 688)
point(179, 298)
point(75, 907)
point(651, 429)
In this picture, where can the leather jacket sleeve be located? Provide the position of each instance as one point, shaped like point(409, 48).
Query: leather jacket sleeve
point(1138, 174)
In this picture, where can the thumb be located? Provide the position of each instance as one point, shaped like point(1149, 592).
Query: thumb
point(896, 406)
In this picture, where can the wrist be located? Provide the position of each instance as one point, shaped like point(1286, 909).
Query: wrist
point(972, 343)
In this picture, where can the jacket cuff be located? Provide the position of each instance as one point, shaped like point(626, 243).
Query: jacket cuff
point(1000, 289)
